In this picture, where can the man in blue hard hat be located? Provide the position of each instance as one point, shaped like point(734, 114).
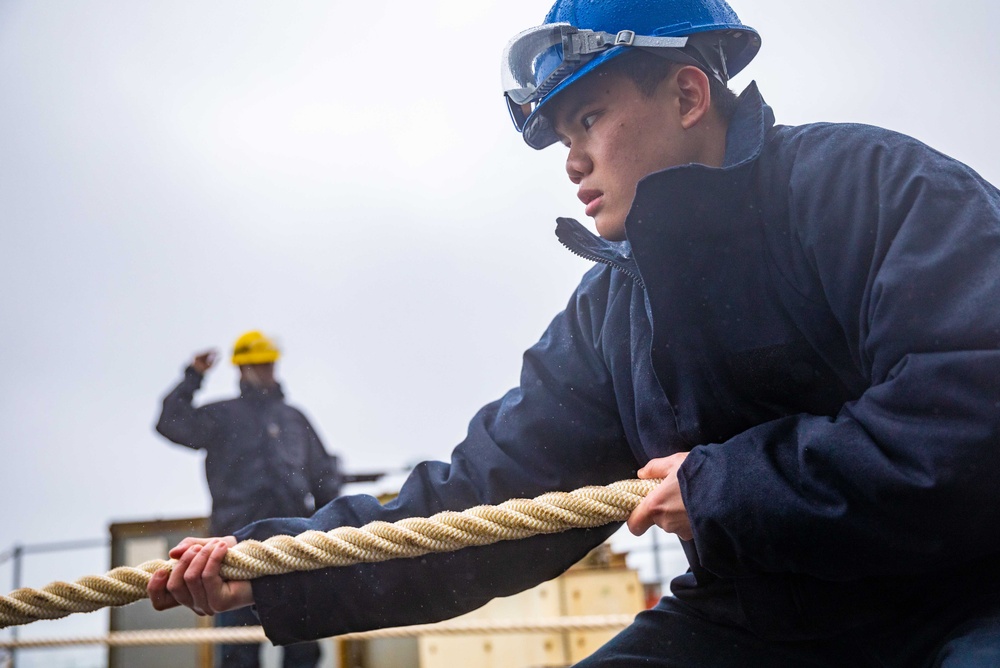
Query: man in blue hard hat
point(795, 327)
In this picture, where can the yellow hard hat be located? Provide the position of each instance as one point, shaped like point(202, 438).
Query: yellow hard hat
point(254, 348)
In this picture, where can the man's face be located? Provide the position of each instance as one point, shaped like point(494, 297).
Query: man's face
point(616, 135)
point(259, 375)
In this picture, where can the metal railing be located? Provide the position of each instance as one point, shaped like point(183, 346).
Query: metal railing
point(16, 554)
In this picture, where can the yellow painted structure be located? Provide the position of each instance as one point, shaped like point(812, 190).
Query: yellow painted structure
point(601, 584)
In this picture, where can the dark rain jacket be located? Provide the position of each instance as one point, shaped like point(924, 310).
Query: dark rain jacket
point(263, 458)
point(817, 322)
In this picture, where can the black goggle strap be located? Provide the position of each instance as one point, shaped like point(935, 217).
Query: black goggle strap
point(712, 55)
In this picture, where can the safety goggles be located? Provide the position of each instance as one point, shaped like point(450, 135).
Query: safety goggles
point(539, 59)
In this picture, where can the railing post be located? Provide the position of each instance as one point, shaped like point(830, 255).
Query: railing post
point(17, 553)
point(657, 566)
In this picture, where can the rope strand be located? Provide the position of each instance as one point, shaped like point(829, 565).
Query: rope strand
point(255, 634)
point(446, 531)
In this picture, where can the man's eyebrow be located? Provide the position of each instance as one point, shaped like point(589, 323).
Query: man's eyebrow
point(571, 110)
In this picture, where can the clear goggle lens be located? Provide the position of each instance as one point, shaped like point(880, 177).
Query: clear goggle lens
point(533, 57)
point(537, 60)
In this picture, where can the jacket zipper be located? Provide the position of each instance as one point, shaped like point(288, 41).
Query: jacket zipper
point(603, 260)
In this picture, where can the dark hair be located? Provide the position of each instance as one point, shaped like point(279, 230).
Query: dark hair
point(647, 70)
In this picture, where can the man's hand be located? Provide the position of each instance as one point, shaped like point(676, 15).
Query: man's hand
point(204, 361)
point(195, 582)
point(664, 506)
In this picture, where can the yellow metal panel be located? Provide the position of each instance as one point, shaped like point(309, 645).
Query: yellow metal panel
point(598, 592)
point(506, 650)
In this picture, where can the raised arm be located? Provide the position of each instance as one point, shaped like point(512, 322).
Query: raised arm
point(179, 420)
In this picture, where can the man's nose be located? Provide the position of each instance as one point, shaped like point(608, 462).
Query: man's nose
point(578, 165)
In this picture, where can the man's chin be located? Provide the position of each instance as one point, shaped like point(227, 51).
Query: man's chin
point(611, 230)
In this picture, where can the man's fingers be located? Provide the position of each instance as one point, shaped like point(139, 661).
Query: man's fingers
point(194, 580)
point(157, 591)
point(661, 467)
point(222, 595)
point(182, 547)
point(656, 468)
point(215, 588)
point(203, 361)
point(177, 583)
point(639, 525)
point(663, 507)
point(641, 518)
point(213, 565)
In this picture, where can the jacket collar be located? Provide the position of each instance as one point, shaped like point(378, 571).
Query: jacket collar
point(253, 393)
point(748, 128)
point(745, 138)
point(581, 241)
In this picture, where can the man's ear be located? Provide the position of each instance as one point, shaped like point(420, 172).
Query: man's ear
point(695, 95)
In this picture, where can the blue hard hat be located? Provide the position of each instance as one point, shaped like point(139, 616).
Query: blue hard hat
point(660, 18)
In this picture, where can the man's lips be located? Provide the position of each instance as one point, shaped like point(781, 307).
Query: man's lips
point(591, 198)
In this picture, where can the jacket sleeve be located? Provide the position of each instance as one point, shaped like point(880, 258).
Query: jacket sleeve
point(557, 431)
point(904, 244)
point(323, 469)
point(180, 421)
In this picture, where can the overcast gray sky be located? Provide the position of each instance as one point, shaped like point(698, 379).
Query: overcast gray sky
point(344, 176)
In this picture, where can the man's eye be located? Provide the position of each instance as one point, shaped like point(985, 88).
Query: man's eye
point(588, 121)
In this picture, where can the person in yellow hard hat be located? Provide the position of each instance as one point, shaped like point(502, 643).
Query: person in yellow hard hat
point(255, 355)
point(263, 459)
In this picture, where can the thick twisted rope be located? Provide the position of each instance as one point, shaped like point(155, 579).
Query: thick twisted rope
point(447, 531)
point(255, 634)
